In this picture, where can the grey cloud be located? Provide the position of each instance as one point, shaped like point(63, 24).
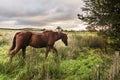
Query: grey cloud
point(48, 11)
point(22, 9)
point(33, 23)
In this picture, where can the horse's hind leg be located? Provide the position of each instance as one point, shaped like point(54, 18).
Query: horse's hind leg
point(13, 53)
point(23, 52)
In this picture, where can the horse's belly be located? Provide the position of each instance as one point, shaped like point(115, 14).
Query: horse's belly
point(38, 41)
point(38, 45)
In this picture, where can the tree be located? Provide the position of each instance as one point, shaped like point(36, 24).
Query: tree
point(105, 15)
point(59, 28)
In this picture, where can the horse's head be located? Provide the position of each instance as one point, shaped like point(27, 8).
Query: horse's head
point(64, 38)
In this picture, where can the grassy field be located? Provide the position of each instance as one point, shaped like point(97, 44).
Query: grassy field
point(75, 62)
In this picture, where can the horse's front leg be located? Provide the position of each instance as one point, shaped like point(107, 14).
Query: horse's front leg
point(55, 50)
point(47, 51)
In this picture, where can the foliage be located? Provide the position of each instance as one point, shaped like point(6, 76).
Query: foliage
point(104, 15)
point(35, 67)
point(59, 28)
point(80, 69)
point(95, 42)
point(2, 41)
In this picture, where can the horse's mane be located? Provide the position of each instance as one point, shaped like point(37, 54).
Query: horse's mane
point(48, 31)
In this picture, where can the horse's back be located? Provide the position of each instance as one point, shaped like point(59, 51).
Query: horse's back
point(24, 34)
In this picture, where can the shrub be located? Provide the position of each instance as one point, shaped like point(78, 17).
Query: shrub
point(94, 42)
point(3, 40)
point(81, 69)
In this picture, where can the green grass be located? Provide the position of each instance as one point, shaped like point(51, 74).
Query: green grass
point(75, 62)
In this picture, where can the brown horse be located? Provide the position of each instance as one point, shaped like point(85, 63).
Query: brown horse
point(37, 40)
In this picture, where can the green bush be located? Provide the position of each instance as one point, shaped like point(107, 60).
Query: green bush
point(81, 69)
point(94, 42)
point(3, 41)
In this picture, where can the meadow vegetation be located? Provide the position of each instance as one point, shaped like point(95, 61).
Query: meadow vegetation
point(75, 62)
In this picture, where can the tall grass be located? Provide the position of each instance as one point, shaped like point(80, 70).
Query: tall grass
point(91, 41)
point(3, 41)
point(75, 62)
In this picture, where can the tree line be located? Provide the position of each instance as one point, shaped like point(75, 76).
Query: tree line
point(105, 16)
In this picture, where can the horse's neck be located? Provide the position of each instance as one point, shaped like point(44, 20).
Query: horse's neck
point(59, 35)
point(54, 35)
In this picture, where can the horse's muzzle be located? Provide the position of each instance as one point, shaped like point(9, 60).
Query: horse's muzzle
point(66, 44)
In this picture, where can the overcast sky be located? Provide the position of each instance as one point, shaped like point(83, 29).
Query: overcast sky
point(40, 13)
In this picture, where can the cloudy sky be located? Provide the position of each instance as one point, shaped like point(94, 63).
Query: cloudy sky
point(40, 14)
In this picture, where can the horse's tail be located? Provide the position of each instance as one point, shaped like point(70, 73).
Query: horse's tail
point(14, 42)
